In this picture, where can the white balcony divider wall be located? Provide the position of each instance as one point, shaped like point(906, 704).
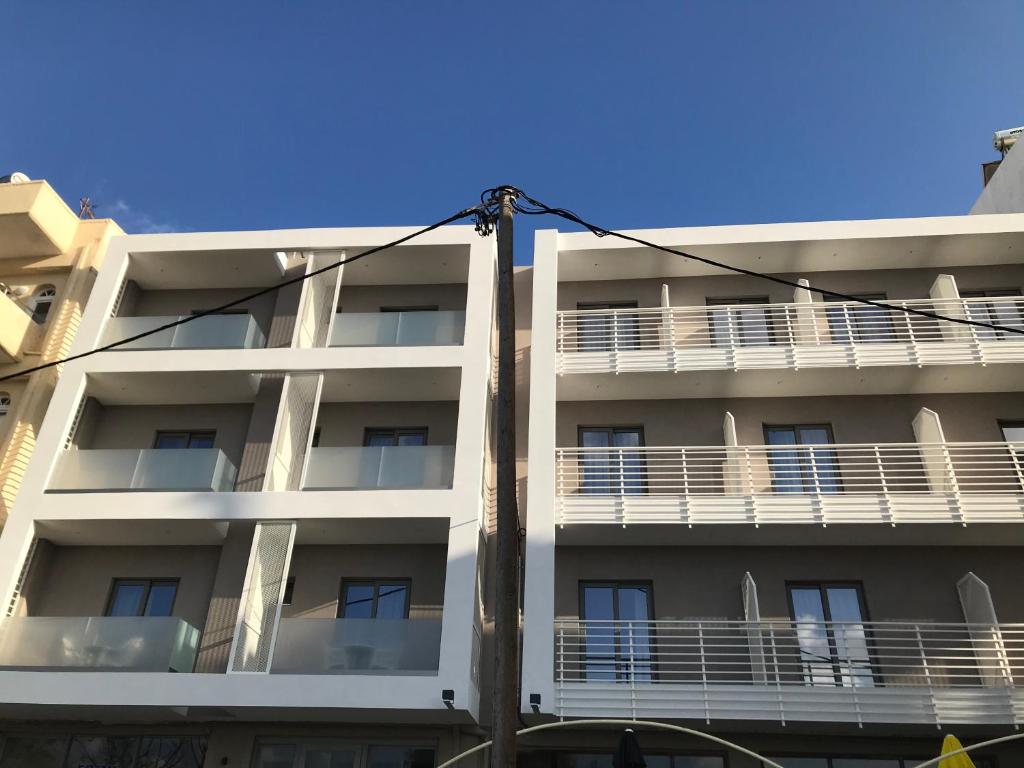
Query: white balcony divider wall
point(293, 431)
point(320, 297)
point(259, 612)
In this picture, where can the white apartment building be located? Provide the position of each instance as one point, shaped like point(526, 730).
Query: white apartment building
point(262, 521)
point(761, 513)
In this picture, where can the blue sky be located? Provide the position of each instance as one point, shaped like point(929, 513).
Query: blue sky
point(261, 115)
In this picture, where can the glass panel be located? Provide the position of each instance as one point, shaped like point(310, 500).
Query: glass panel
point(127, 599)
point(392, 600)
point(357, 646)
point(598, 610)
point(201, 440)
point(1013, 434)
point(416, 328)
point(412, 438)
point(595, 465)
point(380, 438)
point(330, 757)
point(753, 327)
point(171, 440)
point(786, 468)
point(850, 637)
point(812, 636)
point(101, 752)
point(171, 752)
point(702, 761)
point(29, 752)
point(399, 757)
point(118, 328)
point(161, 599)
point(406, 466)
point(114, 643)
point(631, 476)
point(227, 331)
point(821, 466)
point(184, 469)
point(863, 762)
point(275, 756)
point(358, 601)
point(635, 639)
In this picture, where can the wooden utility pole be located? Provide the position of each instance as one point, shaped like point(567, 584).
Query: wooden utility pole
point(505, 706)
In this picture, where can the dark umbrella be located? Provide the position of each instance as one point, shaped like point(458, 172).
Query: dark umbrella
point(628, 754)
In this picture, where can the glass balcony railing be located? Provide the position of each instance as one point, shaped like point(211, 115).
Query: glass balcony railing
point(397, 329)
point(211, 332)
point(357, 646)
point(398, 466)
point(146, 469)
point(101, 643)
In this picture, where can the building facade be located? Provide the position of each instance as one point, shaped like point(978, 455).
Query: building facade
point(245, 530)
point(48, 263)
point(791, 521)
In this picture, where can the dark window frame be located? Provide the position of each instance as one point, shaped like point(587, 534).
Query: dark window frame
point(612, 429)
point(189, 433)
point(377, 583)
point(854, 329)
point(806, 476)
point(616, 659)
point(728, 301)
point(862, 601)
point(149, 582)
point(396, 431)
point(583, 345)
point(289, 591)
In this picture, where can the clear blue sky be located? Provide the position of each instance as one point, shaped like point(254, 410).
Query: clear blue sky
point(256, 115)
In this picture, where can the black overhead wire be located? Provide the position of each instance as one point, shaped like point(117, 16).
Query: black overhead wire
point(463, 214)
point(537, 208)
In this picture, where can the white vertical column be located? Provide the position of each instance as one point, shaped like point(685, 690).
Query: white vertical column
point(667, 330)
point(934, 454)
point(318, 301)
point(733, 472)
point(459, 615)
point(259, 611)
point(980, 614)
point(539, 615)
point(293, 431)
point(804, 324)
point(944, 290)
point(755, 638)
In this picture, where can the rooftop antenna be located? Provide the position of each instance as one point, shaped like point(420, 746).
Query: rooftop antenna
point(85, 208)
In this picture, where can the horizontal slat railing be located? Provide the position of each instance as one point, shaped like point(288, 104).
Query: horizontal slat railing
point(948, 482)
point(884, 468)
point(818, 334)
point(790, 653)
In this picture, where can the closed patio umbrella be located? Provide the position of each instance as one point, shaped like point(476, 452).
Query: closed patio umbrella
point(951, 744)
point(628, 754)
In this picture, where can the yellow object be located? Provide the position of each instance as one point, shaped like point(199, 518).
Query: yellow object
point(951, 744)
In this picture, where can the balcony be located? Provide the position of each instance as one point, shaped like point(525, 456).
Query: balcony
point(787, 336)
point(380, 467)
point(34, 221)
point(870, 672)
point(15, 324)
point(91, 643)
point(147, 469)
point(234, 331)
point(357, 646)
point(398, 329)
point(883, 483)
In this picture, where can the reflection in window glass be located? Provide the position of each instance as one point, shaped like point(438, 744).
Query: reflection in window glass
point(330, 757)
point(16, 752)
point(101, 752)
point(399, 757)
point(584, 760)
point(275, 756)
point(171, 752)
point(866, 762)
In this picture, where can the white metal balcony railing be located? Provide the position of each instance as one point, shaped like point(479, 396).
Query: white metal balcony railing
point(145, 469)
point(380, 467)
point(782, 669)
point(387, 329)
point(227, 331)
point(357, 646)
point(813, 335)
point(894, 482)
point(100, 643)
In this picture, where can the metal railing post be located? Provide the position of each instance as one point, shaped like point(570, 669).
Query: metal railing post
point(703, 671)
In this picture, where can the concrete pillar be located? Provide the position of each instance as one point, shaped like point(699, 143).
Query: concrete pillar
point(252, 470)
point(944, 290)
point(283, 325)
point(980, 614)
point(934, 455)
point(222, 613)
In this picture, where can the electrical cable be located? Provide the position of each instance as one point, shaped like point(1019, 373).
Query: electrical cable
point(539, 209)
point(463, 214)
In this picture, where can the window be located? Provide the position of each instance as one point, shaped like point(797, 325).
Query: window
point(185, 439)
point(316, 438)
point(289, 591)
point(602, 332)
point(1007, 312)
point(799, 469)
point(396, 436)
point(731, 323)
point(1013, 431)
point(615, 471)
point(325, 754)
point(617, 639)
point(428, 308)
point(374, 599)
point(864, 762)
point(399, 757)
point(5, 404)
point(142, 597)
point(859, 323)
point(604, 760)
point(81, 751)
point(41, 302)
point(831, 635)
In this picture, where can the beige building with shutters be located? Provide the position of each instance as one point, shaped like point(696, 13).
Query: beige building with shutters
point(48, 263)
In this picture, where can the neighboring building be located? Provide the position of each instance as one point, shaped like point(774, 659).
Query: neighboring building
point(792, 522)
point(1004, 178)
point(257, 538)
point(48, 261)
